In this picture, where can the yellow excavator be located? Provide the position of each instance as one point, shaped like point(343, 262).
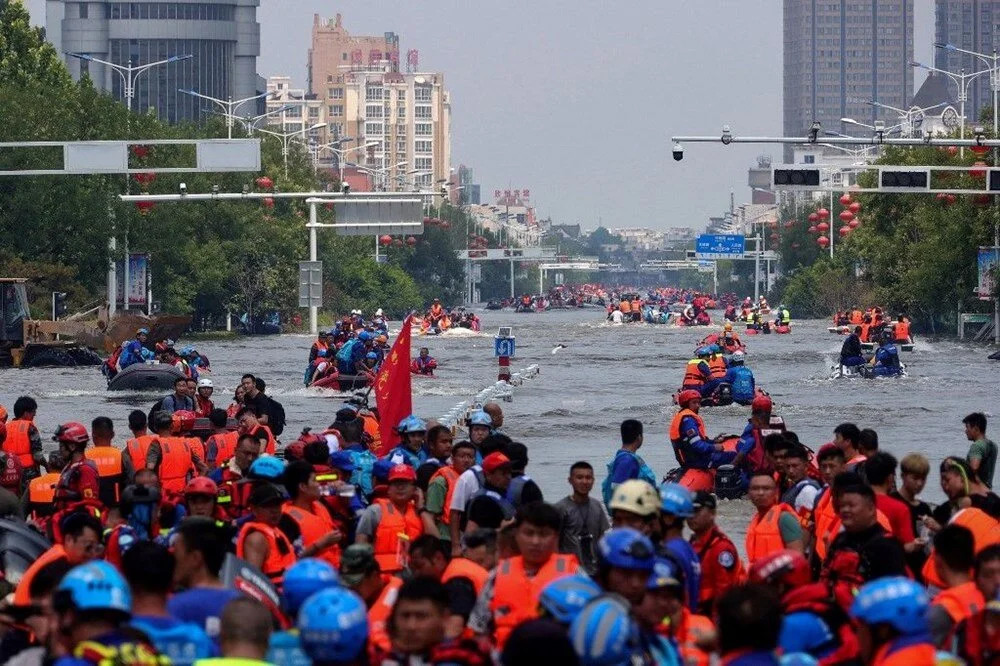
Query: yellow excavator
point(75, 340)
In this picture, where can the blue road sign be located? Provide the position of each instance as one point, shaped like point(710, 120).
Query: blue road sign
point(720, 246)
point(503, 347)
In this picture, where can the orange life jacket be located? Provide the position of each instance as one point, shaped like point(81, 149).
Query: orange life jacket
point(270, 446)
point(197, 447)
point(437, 311)
point(693, 378)
point(225, 447)
point(18, 441)
point(108, 461)
point(675, 425)
point(314, 525)
point(394, 534)
point(378, 614)
point(22, 595)
point(961, 602)
point(234, 494)
point(175, 463)
point(718, 366)
point(280, 554)
point(856, 317)
point(763, 535)
point(450, 476)
point(922, 654)
point(461, 567)
point(515, 594)
point(985, 532)
point(41, 494)
point(625, 306)
point(137, 448)
point(692, 629)
point(902, 331)
point(864, 332)
point(825, 521)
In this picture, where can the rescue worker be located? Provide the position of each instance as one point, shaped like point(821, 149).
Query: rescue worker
point(322, 344)
point(260, 542)
point(627, 464)
point(306, 519)
point(431, 556)
point(981, 645)
point(489, 506)
point(784, 317)
point(170, 456)
point(250, 424)
point(956, 604)
point(79, 483)
point(437, 313)
point(203, 398)
point(137, 447)
point(697, 372)
point(114, 470)
point(892, 627)
point(234, 487)
point(721, 567)
point(851, 354)
point(221, 444)
point(692, 448)
point(740, 379)
point(635, 504)
point(22, 439)
point(676, 505)
point(305, 578)
point(441, 487)
point(37, 501)
point(730, 341)
point(360, 572)
point(411, 449)
point(135, 350)
point(79, 541)
point(802, 489)
point(333, 627)
point(886, 363)
point(352, 433)
point(717, 369)
point(424, 363)
point(774, 526)
point(201, 499)
point(480, 425)
point(663, 610)
point(390, 524)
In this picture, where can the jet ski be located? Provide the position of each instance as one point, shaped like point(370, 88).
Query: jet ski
point(863, 371)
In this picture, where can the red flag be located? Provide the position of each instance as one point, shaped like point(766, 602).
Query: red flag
point(392, 389)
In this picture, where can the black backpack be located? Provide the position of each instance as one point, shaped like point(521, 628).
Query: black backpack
point(275, 416)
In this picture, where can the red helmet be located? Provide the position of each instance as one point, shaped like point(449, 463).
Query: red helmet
point(762, 403)
point(182, 421)
point(686, 396)
point(295, 450)
point(201, 485)
point(71, 433)
point(784, 566)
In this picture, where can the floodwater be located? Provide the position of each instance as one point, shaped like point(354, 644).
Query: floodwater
point(572, 410)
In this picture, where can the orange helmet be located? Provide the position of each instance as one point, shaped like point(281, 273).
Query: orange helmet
point(686, 396)
point(201, 485)
point(783, 566)
point(182, 421)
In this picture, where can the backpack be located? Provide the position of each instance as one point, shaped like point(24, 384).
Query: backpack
point(275, 416)
point(345, 352)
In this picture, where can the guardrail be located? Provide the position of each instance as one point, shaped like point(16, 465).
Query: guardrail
point(502, 390)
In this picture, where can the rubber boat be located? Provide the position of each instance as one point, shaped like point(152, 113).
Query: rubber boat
point(839, 330)
point(338, 382)
point(20, 546)
point(145, 377)
point(721, 396)
point(720, 340)
point(862, 371)
point(656, 316)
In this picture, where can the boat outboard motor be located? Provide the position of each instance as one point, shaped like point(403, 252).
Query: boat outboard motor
point(20, 546)
point(723, 395)
point(728, 482)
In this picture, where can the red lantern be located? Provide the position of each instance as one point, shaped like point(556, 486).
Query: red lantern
point(397, 242)
point(411, 241)
point(846, 216)
point(140, 151)
point(813, 217)
point(953, 150)
point(264, 183)
point(823, 213)
point(789, 224)
point(144, 178)
point(812, 229)
point(978, 173)
point(268, 202)
point(385, 241)
point(853, 224)
point(855, 207)
point(980, 150)
point(844, 230)
point(823, 227)
point(950, 198)
point(144, 206)
point(823, 241)
point(845, 199)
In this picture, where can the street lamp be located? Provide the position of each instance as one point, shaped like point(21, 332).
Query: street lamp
point(341, 152)
point(905, 115)
point(962, 80)
point(286, 138)
point(228, 106)
point(878, 128)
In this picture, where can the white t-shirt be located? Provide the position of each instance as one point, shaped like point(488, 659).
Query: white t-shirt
point(806, 499)
point(616, 316)
point(465, 487)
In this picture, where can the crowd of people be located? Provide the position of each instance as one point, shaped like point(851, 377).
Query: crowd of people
point(441, 550)
point(137, 351)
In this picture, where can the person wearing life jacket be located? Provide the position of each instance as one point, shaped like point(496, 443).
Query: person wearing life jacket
point(741, 379)
point(802, 489)
point(113, 469)
point(697, 371)
point(717, 369)
point(171, 456)
point(221, 443)
point(359, 571)
point(22, 439)
point(231, 478)
point(306, 521)
point(960, 599)
point(261, 542)
point(201, 500)
point(692, 448)
point(436, 515)
point(79, 482)
point(901, 330)
point(784, 317)
point(424, 363)
point(37, 503)
point(627, 464)
point(251, 425)
point(512, 591)
point(351, 430)
point(203, 397)
point(892, 624)
point(390, 524)
point(436, 313)
point(676, 506)
point(135, 350)
point(885, 362)
point(136, 448)
point(431, 556)
point(663, 611)
point(305, 578)
point(489, 506)
point(750, 448)
point(322, 343)
point(411, 450)
point(813, 622)
point(140, 510)
point(775, 526)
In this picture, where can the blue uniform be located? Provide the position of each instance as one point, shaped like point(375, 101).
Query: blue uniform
point(285, 647)
point(182, 642)
point(681, 551)
point(624, 467)
point(700, 453)
point(363, 460)
point(887, 362)
point(133, 352)
point(741, 379)
point(803, 631)
point(404, 456)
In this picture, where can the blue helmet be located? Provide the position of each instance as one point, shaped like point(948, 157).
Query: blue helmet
point(305, 578)
point(602, 633)
point(365, 336)
point(676, 500)
point(333, 625)
point(266, 467)
point(380, 470)
point(564, 598)
point(142, 331)
point(798, 659)
point(480, 418)
point(187, 351)
point(896, 601)
point(321, 353)
point(97, 585)
point(665, 573)
point(371, 355)
point(703, 352)
point(626, 548)
point(411, 424)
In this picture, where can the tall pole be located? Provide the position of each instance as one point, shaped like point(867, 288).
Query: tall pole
point(831, 219)
point(313, 256)
point(995, 82)
point(756, 268)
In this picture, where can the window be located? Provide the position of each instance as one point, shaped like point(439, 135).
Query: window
point(422, 112)
point(335, 93)
point(422, 93)
point(373, 111)
point(281, 86)
point(400, 95)
point(336, 129)
point(809, 159)
point(422, 129)
point(313, 112)
point(401, 145)
point(422, 146)
point(373, 93)
point(401, 112)
point(423, 163)
point(373, 128)
point(84, 10)
point(336, 109)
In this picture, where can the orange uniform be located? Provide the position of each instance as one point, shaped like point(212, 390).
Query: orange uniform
point(763, 535)
point(515, 593)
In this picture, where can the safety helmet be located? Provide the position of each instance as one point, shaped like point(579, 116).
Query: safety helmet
point(371, 356)
point(321, 353)
point(304, 579)
point(676, 500)
point(799, 659)
point(205, 382)
point(133, 495)
point(479, 418)
point(378, 312)
point(703, 352)
point(201, 485)
point(602, 633)
point(737, 358)
point(364, 336)
point(727, 327)
point(665, 573)
point(182, 421)
point(783, 566)
point(266, 467)
point(381, 338)
point(71, 433)
point(333, 625)
point(762, 403)
point(142, 331)
point(636, 497)
point(564, 598)
point(686, 396)
point(894, 600)
point(625, 548)
point(411, 424)
point(95, 586)
point(187, 351)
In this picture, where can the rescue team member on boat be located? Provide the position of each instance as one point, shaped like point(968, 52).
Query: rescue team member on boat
point(721, 567)
point(901, 331)
point(886, 363)
point(697, 372)
point(627, 464)
point(691, 445)
point(851, 354)
point(22, 439)
point(424, 363)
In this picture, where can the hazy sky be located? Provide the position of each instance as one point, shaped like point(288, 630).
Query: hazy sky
point(576, 99)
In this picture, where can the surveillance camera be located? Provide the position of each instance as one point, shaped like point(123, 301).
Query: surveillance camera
point(678, 152)
point(345, 188)
point(215, 189)
point(814, 131)
point(978, 129)
point(184, 188)
point(727, 135)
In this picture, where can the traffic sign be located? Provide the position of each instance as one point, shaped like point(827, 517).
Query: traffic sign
point(310, 284)
point(503, 347)
point(720, 246)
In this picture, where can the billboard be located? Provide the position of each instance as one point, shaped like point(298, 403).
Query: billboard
point(988, 260)
point(138, 280)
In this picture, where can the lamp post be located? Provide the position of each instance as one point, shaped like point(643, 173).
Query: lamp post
point(962, 80)
point(130, 75)
point(286, 138)
point(905, 115)
point(341, 152)
point(228, 106)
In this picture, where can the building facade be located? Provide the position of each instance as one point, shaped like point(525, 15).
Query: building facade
point(222, 36)
point(840, 55)
point(973, 25)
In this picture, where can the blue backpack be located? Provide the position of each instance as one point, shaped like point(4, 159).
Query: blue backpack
point(345, 352)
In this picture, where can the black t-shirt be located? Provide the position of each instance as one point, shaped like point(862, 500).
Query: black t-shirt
point(426, 471)
point(881, 555)
point(917, 511)
point(988, 503)
point(486, 511)
point(258, 403)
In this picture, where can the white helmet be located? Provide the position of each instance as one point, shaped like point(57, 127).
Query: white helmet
point(737, 358)
point(205, 382)
point(378, 313)
point(636, 496)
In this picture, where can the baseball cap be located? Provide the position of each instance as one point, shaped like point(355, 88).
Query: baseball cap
point(356, 561)
point(495, 461)
point(704, 500)
point(402, 473)
point(266, 494)
point(342, 460)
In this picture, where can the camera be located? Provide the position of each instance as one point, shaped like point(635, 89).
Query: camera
point(727, 135)
point(184, 188)
point(814, 131)
point(345, 188)
point(678, 152)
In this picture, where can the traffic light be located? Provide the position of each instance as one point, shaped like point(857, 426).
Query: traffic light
point(896, 180)
point(58, 304)
point(795, 177)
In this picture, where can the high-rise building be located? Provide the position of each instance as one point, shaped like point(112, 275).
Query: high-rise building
point(840, 55)
point(973, 25)
point(222, 36)
point(469, 192)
